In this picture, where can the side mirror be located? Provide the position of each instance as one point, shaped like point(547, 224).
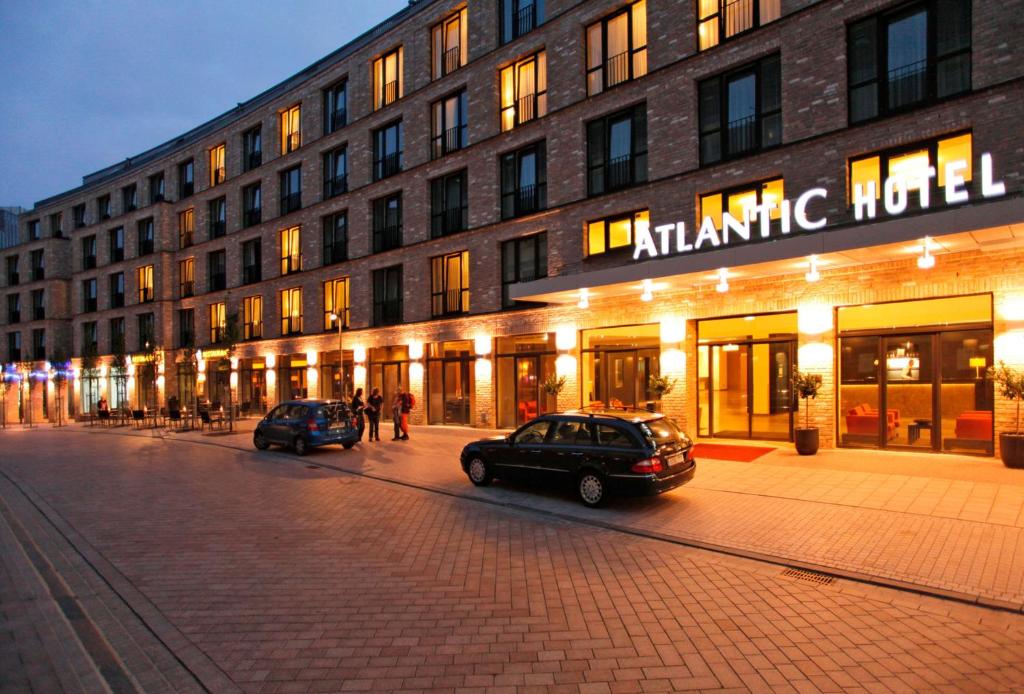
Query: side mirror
point(509, 440)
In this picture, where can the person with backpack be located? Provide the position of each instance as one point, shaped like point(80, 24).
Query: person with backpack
point(408, 402)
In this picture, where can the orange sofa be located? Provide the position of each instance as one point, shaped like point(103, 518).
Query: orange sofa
point(862, 420)
point(975, 425)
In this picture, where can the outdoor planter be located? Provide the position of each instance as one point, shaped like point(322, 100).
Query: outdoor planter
point(806, 386)
point(806, 440)
point(1011, 386)
point(1011, 449)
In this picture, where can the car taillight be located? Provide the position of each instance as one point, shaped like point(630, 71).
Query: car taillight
point(648, 466)
point(312, 425)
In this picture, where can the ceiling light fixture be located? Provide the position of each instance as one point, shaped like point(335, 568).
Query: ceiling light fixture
point(926, 260)
point(813, 275)
point(723, 280)
point(584, 299)
point(648, 291)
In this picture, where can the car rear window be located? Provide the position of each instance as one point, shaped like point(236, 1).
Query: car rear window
point(661, 431)
point(613, 437)
point(332, 413)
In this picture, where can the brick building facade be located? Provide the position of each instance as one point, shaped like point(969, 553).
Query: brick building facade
point(581, 128)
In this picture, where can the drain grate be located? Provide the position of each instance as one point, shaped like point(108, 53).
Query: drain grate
point(809, 576)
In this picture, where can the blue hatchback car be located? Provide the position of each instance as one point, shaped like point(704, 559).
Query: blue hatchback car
point(305, 424)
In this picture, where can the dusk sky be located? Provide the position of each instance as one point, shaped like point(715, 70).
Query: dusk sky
point(86, 84)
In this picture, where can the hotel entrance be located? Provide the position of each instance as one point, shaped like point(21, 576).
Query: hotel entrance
point(524, 363)
point(389, 370)
point(745, 365)
point(618, 364)
point(925, 370)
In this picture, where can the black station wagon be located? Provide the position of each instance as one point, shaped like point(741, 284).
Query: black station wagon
point(601, 453)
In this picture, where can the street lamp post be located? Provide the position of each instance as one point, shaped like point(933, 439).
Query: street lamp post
point(341, 355)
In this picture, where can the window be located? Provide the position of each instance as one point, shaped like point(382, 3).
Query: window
point(14, 308)
point(335, 244)
point(291, 250)
point(186, 277)
point(449, 284)
point(186, 327)
point(33, 230)
point(524, 188)
point(145, 236)
point(36, 263)
point(448, 124)
point(336, 303)
point(218, 217)
point(117, 244)
point(12, 271)
point(522, 260)
point(103, 207)
point(387, 223)
point(186, 178)
point(449, 45)
point(335, 173)
point(14, 346)
point(252, 317)
point(218, 172)
point(449, 204)
point(617, 151)
point(387, 150)
point(524, 91)
point(144, 279)
point(147, 332)
point(252, 212)
point(387, 78)
point(740, 201)
point(867, 173)
point(218, 322)
point(610, 233)
point(216, 271)
point(130, 198)
point(335, 107)
point(156, 188)
point(520, 17)
point(117, 343)
point(718, 20)
point(252, 148)
point(291, 190)
point(252, 261)
point(117, 290)
point(915, 54)
point(741, 111)
point(89, 252)
point(387, 295)
point(38, 304)
point(291, 138)
point(186, 221)
point(617, 48)
point(39, 344)
point(89, 295)
point(90, 338)
point(78, 216)
point(291, 311)
point(57, 225)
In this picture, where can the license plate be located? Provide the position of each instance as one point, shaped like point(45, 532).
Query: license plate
point(675, 459)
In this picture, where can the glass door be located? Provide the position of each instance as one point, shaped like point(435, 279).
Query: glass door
point(908, 392)
point(745, 390)
point(457, 386)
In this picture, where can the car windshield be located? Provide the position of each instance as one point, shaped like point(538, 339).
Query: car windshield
point(662, 431)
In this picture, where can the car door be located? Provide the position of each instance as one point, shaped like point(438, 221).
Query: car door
point(618, 449)
point(526, 447)
point(273, 424)
point(570, 444)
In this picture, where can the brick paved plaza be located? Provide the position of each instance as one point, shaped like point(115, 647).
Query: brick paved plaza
point(182, 563)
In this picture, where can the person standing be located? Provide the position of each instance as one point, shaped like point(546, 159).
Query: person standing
point(358, 408)
point(407, 403)
point(396, 413)
point(374, 405)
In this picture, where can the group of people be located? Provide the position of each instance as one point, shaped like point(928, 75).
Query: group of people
point(373, 408)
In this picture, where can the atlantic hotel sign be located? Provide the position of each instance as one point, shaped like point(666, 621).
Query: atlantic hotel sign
point(896, 194)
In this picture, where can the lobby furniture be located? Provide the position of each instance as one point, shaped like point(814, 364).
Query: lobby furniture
point(973, 430)
point(862, 423)
point(914, 430)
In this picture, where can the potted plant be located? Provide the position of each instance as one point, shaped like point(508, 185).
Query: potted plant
point(660, 386)
point(806, 386)
point(553, 385)
point(1011, 386)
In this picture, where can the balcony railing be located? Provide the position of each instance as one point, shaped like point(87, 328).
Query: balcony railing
point(15, 354)
point(88, 262)
point(449, 221)
point(39, 273)
point(290, 264)
point(335, 253)
point(253, 160)
point(337, 119)
point(741, 134)
point(453, 139)
point(38, 313)
point(156, 197)
point(186, 338)
point(218, 176)
point(252, 217)
point(105, 214)
point(291, 142)
point(290, 202)
point(616, 69)
point(335, 186)
point(14, 317)
point(449, 302)
point(145, 295)
point(386, 238)
point(907, 84)
point(145, 247)
point(252, 331)
point(130, 206)
point(187, 188)
point(187, 289)
point(389, 165)
point(13, 279)
point(525, 20)
point(79, 223)
point(526, 108)
point(619, 172)
point(89, 305)
point(387, 313)
point(251, 274)
point(218, 281)
point(452, 59)
point(217, 229)
point(739, 16)
point(291, 325)
point(527, 199)
point(117, 300)
point(217, 334)
point(389, 93)
point(184, 239)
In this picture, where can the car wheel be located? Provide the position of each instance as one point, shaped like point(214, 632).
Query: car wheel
point(479, 472)
point(300, 446)
point(592, 490)
point(348, 445)
point(260, 441)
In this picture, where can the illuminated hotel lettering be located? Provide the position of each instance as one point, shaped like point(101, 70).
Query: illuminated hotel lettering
point(895, 199)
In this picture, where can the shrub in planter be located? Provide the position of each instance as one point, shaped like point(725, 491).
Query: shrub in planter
point(806, 386)
point(1010, 382)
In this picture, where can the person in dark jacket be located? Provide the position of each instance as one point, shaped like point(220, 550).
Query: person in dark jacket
point(374, 405)
point(358, 409)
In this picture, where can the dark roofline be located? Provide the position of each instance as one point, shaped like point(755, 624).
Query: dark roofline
point(246, 107)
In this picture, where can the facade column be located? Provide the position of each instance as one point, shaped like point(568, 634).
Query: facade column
point(673, 365)
point(816, 355)
point(1008, 347)
point(270, 376)
point(9, 411)
point(482, 407)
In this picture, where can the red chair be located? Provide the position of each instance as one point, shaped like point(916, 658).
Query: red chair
point(862, 420)
point(975, 425)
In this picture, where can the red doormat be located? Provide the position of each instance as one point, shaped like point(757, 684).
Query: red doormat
point(720, 451)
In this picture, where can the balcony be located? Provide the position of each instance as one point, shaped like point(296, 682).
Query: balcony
point(253, 160)
point(218, 176)
point(389, 94)
point(217, 334)
point(449, 141)
point(387, 313)
point(387, 238)
point(449, 221)
point(450, 302)
point(218, 281)
point(335, 253)
point(130, 206)
point(742, 135)
point(251, 274)
point(528, 200)
point(739, 16)
point(116, 255)
point(155, 198)
point(146, 295)
point(452, 60)
point(290, 202)
point(388, 165)
point(252, 217)
point(252, 331)
point(186, 338)
point(526, 108)
point(184, 239)
point(187, 189)
point(337, 119)
point(290, 264)
point(186, 289)
point(335, 186)
point(89, 305)
point(616, 69)
point(291, 325)
point(524, 21)
point(88, 262)
point(291, 142)
point(105, 214)
point(217, 229)
point(907, 84)
point(619, 172)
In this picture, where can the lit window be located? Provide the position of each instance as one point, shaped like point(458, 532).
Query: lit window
point(615, 232)
point(185, 228)
point(336, 301)
point(722, 19)
point(911, 163)
point(524, 91)
point(217, 170)
point(617, 48)
point(387, 78)
point(252, 317)
point(449, 281)
point(291, 251)
point(145, 282)
point(186, 277)
point(449, 45)
point(739, 201)
point(291, 139)
point(218, 322)
point(291, 311)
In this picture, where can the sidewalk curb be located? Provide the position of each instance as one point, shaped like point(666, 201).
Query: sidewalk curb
point(781, 561)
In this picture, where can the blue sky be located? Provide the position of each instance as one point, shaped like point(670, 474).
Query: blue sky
point(86, 84)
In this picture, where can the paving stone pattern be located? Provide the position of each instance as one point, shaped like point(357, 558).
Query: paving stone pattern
point(297, 579)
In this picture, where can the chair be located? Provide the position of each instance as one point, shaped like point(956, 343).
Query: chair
point(138, 418)
point(174, 418)
point(209, 420)
point(104, 417)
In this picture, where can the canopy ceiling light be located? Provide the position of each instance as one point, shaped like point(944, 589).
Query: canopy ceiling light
point(648, 291)
point(926, 260)
point(813, 275)
point(584, 299)
point(723, 281)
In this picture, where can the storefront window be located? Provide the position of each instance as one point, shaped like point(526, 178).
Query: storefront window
point(523, 363)
point(618, 364)
point(90, 391)
point(252, 386)
point(450, 382)
point(291, 377)
point(334, 383)
point(388, 370)
point(186, 384)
